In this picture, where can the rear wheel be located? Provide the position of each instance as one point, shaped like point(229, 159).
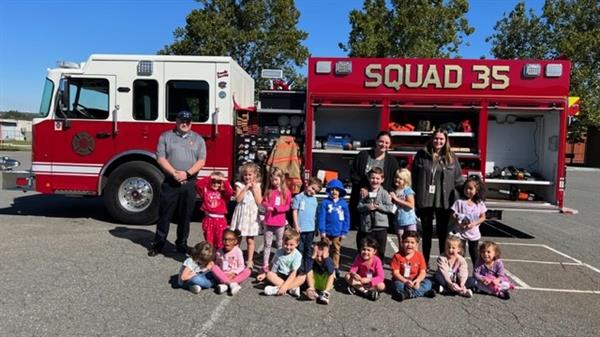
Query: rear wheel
point(132, 193)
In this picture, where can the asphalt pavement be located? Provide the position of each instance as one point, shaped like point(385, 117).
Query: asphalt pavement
point(68, 270)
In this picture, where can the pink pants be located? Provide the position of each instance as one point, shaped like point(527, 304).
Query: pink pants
point(222, 277)
point(213, 230)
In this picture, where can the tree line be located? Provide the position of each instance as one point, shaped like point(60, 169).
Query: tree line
point(264, 34)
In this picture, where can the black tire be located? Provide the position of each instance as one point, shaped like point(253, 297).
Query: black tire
point(137, 204)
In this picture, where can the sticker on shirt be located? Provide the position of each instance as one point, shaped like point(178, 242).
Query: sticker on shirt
point(406, 270)
point(277, 201)
point(301, 207)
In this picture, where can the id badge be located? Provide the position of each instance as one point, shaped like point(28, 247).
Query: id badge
point(340, 214)
point(225, 265)
point(432, 189)
point(301, 205)
point(406, 270)
point(277, 201)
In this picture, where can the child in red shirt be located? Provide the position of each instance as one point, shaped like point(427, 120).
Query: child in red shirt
point(409, 270)
point(215, 192)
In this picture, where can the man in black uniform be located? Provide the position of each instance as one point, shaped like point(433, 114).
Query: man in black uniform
point(181, 153)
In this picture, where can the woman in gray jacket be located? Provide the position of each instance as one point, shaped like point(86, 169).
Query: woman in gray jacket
point(436, 176)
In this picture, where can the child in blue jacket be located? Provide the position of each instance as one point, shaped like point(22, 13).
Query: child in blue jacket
point(334, 219)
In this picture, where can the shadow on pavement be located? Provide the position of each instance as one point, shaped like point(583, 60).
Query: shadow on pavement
point(58, 206)
point(144, 237)
point(494, 228)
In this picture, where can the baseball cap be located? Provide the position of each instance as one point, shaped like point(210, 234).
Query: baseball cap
point(184, 115)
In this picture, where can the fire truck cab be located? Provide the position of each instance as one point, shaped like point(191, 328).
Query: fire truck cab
point(507, 119)
point(100, 121)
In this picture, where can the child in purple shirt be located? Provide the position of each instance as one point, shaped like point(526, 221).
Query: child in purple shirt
point(469, 214)
point(489, 272)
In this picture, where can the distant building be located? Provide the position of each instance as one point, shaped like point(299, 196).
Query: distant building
point(12, 129)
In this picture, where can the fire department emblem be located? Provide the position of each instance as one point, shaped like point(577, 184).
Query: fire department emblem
point(83, 143)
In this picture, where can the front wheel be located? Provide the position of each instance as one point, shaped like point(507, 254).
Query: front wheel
point(132, 193)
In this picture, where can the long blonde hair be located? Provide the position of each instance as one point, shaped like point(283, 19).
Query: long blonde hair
point(277, 172)
point(405, 175)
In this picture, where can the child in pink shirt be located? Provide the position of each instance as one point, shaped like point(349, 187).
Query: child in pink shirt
point(229, 269)
point(276, 202)
point(366, 276)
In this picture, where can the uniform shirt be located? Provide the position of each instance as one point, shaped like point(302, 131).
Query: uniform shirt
point(181, 150)
point(307, 211)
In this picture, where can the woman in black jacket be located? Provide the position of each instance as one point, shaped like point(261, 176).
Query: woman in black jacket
point(436, 176)
point(364, 161)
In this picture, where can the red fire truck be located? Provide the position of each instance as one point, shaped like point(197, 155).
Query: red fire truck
point(100, 120)
point(507, 119)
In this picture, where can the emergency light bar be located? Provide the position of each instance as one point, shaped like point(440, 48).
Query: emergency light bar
point(532, 70)
point(323, 67)
point(343, 67)
point(67, 65)
point(554, 70)
point(271, 73)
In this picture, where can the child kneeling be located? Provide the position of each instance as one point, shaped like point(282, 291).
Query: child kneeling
point(366, 276)
point(409, 269)
point(321, 273)
point(283, 274)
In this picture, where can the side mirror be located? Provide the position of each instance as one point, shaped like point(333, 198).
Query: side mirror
point(63, 96)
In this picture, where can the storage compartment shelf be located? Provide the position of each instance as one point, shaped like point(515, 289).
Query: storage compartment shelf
point(334, 151)
point(429, 133)
point(518, 182)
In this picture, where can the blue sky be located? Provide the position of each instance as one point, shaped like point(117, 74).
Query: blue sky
point(35, 34)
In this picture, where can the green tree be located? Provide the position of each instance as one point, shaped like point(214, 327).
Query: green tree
point(408, 28)
point(258, 34)
point(566, 28)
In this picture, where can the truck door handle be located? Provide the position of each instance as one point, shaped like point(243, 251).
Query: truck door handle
point(102, 135)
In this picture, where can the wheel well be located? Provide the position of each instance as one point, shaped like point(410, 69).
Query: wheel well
point(116, 163)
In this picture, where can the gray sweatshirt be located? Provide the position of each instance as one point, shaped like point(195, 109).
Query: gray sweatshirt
point(378, 218)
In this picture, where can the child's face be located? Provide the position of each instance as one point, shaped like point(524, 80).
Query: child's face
point(470, 189)
point(321, 253)
point(216, 183)
point(367, 253)
point(290, 245)
point(275, 181)
point(249, 176)
point(335, 193)
point(488, 254)
point(399, 181)
point(375, 180)
point(453, 248)
point(409, 245)
point(312, 189)
point(229, 242)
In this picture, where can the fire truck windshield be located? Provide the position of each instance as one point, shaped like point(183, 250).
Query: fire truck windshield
point(46, 98)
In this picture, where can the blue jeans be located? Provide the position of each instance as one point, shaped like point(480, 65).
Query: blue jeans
point(410, 292)
point(305, 248)
point(204, 280)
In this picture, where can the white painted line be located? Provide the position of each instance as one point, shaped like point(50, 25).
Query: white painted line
point(213, 317)
point(562, 254)
point(515, 244)
point(531, 261)
point(516, 279)
point(597, 292)
point(592, 268)
point(392, 243)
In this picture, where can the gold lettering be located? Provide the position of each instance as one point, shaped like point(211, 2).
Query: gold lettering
point(448, 69)
point(407, 75)
point(432, 77)
point(373, 72)
point(483, 77)
point(503, 78)
point(387, 78)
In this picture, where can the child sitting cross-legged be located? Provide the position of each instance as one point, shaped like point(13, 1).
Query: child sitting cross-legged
point(283, 274)
point(453, 273)
point(365, 276)
point(321, 274)
point(409, 269)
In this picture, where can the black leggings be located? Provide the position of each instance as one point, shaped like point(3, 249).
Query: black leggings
point(442, 216)
point(473, 249)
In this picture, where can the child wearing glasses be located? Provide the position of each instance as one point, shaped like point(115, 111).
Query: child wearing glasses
point(230, 270)
point(215, 192)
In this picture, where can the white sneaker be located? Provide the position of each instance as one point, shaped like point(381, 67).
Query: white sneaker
point(271, 290)
point(295, 292)
point(234, 288)
point(195, 289)
point(441, 289)
point(221, 288)
point(469, 293)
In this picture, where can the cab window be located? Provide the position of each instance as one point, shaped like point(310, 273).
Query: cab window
point(145, 100)
point(188, 95)
point(88, 98)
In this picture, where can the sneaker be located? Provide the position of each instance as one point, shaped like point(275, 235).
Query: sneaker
point(441, 289)
point(234, 288)
point(469, 293)
point(154, 250)
point(373, 295)
point(195, 289)
point(323, 298)
point(429, 294)
point(221, 288)
point(183, 249)
point(504, 295)
point(399, 296)
point(294, 292)
point(271, 290)
point(310, 294)
point(351, 290)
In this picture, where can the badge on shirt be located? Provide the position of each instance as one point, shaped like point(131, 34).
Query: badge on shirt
point(301, 205)
point(277, 201)
point(431, 189)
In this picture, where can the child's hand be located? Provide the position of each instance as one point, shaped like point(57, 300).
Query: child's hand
point(231, 275)
point(270, 209)
point(416, 285)
point(364, 193)
point(497, 281)
point(282, 290)
point(371, 207)
point(455, 287)
point(410, 284)
point(210, 265)
point(365, 280)
point(486, 282)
